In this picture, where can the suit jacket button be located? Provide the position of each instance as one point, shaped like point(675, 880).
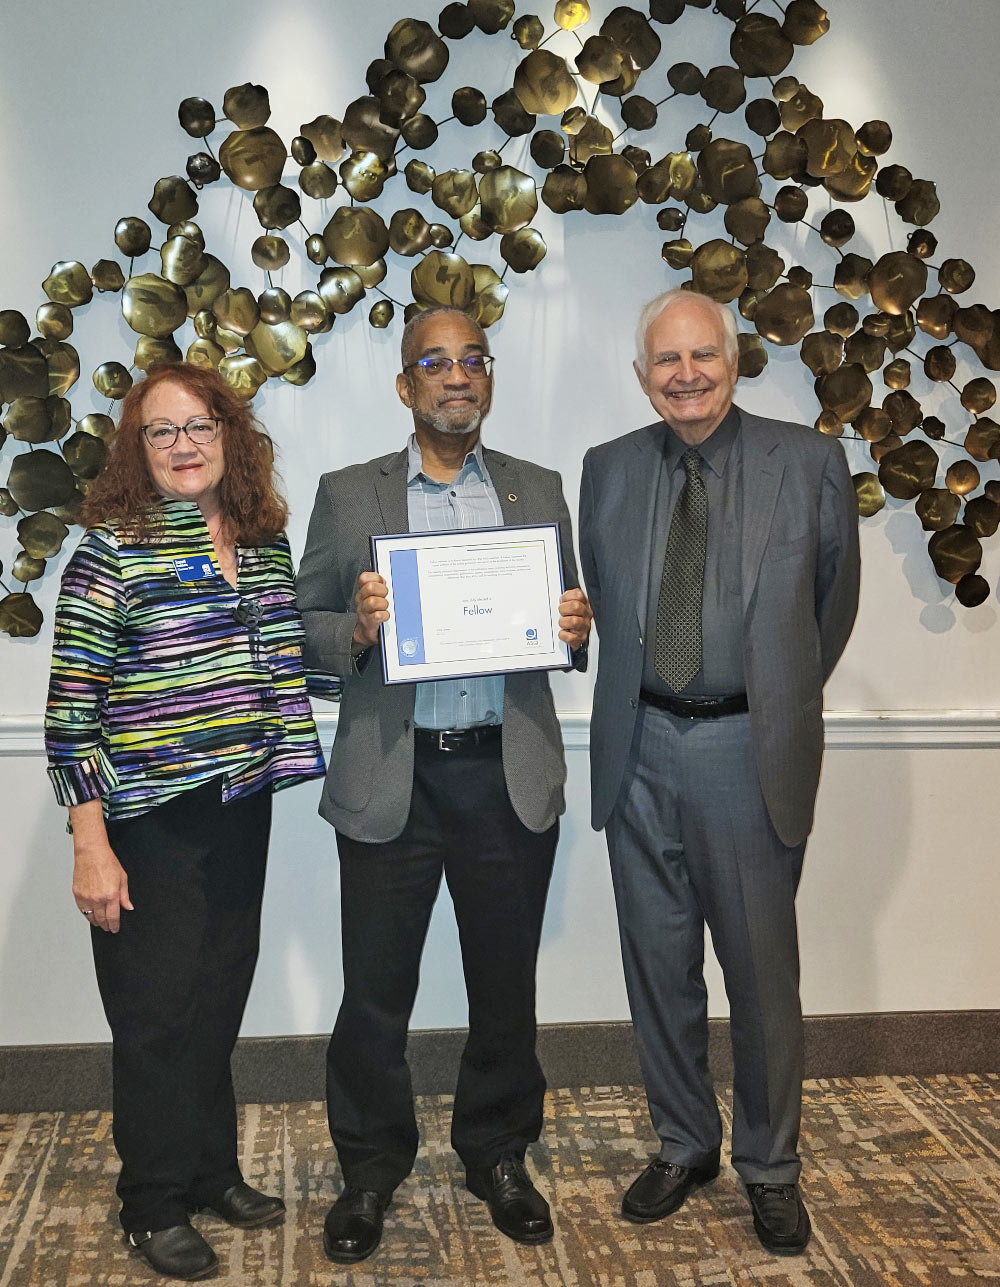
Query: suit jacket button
point(632, 702)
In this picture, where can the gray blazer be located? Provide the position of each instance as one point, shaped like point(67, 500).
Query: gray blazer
point(800, 572)
point(368, 786)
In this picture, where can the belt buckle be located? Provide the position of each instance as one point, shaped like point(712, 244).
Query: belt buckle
point(440, 734)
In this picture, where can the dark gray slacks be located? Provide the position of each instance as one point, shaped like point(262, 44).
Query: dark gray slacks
point(691, 844)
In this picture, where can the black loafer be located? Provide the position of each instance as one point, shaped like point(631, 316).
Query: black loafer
point(247, 1208)
point(353, 1226)
point(177, 1252)
point(516, 1207)
point(662, 1188)
point(780, 1218)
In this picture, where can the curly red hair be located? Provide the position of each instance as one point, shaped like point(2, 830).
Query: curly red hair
point(253, 509)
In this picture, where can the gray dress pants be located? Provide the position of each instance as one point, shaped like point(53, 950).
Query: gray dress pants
point(691, 844)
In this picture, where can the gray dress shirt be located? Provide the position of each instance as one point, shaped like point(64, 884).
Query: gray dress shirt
point(469, 500)
point(722, 671)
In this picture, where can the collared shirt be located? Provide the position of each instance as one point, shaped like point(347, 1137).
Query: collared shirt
point(722, 672)
point(157, 687)
point(469, 500)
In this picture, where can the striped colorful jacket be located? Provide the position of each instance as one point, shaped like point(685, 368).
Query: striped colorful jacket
point(161, 680)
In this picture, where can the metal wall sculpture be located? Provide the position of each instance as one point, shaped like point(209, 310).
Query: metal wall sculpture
point(758, 163)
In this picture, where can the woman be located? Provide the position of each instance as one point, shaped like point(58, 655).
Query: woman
point(177, 704)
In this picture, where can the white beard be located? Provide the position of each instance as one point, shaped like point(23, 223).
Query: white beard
point(446, 424)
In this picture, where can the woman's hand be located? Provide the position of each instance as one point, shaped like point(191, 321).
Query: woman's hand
point(100, 883)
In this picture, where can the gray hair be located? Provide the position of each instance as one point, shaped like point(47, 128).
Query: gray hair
point(649, 314)
point(408, 343)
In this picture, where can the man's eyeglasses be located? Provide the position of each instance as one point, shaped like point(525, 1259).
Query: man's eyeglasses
point(475, 365)
point(200, 429)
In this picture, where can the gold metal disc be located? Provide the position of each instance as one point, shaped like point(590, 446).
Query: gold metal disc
point(277, 347)
point(869, 493)
point(340, 289)
point(153, 306)
point(785, 315)
point(246, 105)
point(611, 184)
point(508, 199)
point(132, 236)
point(356, 236)
point(237, 310)
point(172, 200)
point(719, 270)
point(846, 392)
point(455, 192)
point(543, 84)
point(442, 277)
point(955, 553)
point(523, 250)
point(908, 470)
point(69, 283)
point(243, 373)
point(112, 380)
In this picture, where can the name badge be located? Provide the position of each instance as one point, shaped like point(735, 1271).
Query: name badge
point(199, 569)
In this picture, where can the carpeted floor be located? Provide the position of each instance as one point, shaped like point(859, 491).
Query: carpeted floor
point(902, 1177)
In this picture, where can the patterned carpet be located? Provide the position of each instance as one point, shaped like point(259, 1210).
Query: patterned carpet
point(902, 1176)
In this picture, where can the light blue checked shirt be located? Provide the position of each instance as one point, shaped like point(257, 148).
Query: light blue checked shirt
point(469, 500)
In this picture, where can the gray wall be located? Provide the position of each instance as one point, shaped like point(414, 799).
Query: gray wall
point(899, 891)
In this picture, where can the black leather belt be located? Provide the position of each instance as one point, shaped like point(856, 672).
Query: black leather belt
point(697, 707)
point(457, 739)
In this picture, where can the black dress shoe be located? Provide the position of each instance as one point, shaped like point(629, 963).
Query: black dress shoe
point(247, 1208)
point(780, 1218)
point(177, 1252)
point(516, 1206)
point(662, 1188)
point(353, 1226)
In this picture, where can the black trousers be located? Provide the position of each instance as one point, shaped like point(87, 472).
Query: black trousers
point(174, 982)
point(461, 823)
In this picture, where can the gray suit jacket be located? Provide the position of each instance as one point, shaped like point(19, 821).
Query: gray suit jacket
point(369, 783)
point(800, 572)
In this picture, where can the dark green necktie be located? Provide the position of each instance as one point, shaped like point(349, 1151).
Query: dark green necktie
point(678, 655)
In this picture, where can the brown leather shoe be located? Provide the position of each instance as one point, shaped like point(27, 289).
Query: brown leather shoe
point(662, 1188)
point(780, 1218)
point(516, 1207)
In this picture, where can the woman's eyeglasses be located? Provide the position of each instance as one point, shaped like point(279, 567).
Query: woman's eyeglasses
point(200, 429)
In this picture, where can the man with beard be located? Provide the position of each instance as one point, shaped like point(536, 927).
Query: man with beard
point(462, 777)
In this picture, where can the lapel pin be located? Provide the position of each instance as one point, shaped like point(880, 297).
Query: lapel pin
point(511, 496)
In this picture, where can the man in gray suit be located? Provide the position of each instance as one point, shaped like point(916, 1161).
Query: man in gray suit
point(462, 776)
point(720, 553)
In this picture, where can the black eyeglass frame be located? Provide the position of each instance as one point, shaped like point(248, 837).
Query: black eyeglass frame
point(448, 363)
point(215, 421)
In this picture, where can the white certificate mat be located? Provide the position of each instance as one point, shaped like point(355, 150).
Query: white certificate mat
point(478, 601)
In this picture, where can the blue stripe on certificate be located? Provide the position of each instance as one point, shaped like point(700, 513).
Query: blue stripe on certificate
point(406, 605)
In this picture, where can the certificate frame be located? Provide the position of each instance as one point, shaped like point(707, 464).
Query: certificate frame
point(481, 571)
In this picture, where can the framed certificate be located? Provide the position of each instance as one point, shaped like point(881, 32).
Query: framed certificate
point(477, 601)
